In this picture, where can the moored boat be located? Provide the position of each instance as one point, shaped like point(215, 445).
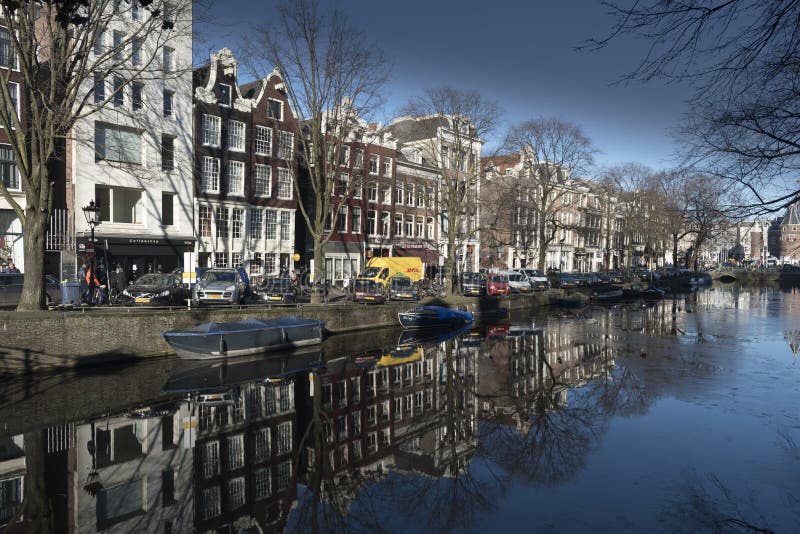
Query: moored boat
point(434, 317)
point(614, 295)
point(250, 336)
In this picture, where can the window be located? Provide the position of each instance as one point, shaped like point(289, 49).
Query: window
point(420, 225)
point(204, 219)
point(118, 502)
point(167, 59)
point(99, 89)
point(286, 225)
point(220, 259)
point(429, 194)
point(431, 232)
point(211, 459)
point(263, 483)
point(167, 208)
point(256, 263)
point(275, 109)
point(410, 225)
point(8, 168)
point(410, 194)
point(284, 184)
point(211, 130)
point(398, 194)
point(420, 197)
point(373, 164)
point(169, 97)
point(236, 452)
point(236, 136)
point(263, 141)
point(119, 49)
point(221, 216)
point(344, 155)
point(387, 166)
point(398, 225)
point(211, 505)
point(272, 225)
point(372, 222)
point(117, 143)
point(210, 175)
point(359, 162)
point(167, 152)
point(136, 51)
point(235, 177)
point(119, 91)
point(235, 493)
point(372, 192)
point(7, 57)
point(343, 185)
point(136, 10)
point(358, 188)
point(224, 94)
point(284, 444)
point(137, 92)
point(284, 475)
point(262, 180)
point(387, 195)
point(356, 220)
point(237, 225)
point(270, 263)
point(285, 145)
point(385, 224)
point(341, 219)
point(98, 49)
point(256, 221)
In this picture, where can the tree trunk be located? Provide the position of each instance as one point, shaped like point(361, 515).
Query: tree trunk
point(35, 231)
point(675, 250)
point(36, 507)
point(319, 272)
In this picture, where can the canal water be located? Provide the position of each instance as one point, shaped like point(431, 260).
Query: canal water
point(673, 416)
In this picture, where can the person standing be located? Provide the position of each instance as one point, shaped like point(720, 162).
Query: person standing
point(11, 268)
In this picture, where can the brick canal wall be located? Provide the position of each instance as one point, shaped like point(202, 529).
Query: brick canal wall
point(48, 340)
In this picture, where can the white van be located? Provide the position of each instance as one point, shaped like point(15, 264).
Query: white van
point(517, 281)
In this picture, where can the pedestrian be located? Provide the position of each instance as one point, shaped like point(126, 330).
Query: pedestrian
point(11, 268)
point(84, 285)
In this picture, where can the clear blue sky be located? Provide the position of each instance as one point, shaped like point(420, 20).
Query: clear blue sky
point(520, 54)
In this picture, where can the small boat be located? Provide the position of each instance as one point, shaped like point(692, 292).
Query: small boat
point(649, 293)
point(434, 317)
point(251, 336)
point(608, 296)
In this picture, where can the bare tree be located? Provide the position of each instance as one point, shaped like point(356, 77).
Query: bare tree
point(333, 78)
point(449, 127)
point(552, 151)
point(741, 57)
point(50, 48)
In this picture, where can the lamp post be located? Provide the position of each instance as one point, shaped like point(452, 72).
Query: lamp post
point(92, 213)
point(561, 254)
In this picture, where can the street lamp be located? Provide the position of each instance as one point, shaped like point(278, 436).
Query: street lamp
point(561, 254)
point(92, 213)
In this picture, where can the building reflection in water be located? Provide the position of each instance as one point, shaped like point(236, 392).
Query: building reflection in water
point(276, 442)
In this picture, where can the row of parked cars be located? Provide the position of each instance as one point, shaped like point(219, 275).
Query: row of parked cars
point(522, 281)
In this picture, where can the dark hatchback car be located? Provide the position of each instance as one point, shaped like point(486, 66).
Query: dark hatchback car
point(563, 280)
point(156, 289)
point(402, 288)
point(473, 284)
point(368, 291)
point(11, 289)
point(276, 291)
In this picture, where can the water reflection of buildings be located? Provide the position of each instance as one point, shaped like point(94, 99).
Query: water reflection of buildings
point(12, 475)
point(412, 409)
point(533, 369)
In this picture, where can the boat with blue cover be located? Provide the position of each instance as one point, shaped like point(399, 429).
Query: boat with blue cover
point(250, 336)
point(434, 317)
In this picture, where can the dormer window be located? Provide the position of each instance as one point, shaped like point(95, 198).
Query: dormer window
point(224, 94)
point(275, 109)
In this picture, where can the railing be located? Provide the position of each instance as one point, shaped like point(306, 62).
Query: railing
point(61, 231)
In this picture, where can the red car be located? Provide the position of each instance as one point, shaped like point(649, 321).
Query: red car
point(497, 284)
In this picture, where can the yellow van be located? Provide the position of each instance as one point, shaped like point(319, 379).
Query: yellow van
point(381, 270)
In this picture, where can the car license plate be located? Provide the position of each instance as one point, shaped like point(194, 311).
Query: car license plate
point(369, 298)
point(405, 295)
point(274, 298)
point(142, 300)
point(212, 296)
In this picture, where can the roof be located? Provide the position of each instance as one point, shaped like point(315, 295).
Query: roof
point(408, 129)
point(792, 214)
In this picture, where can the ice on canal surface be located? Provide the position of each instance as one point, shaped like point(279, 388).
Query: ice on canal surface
point(677, 416)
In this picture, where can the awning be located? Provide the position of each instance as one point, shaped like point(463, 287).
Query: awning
point(427, 255)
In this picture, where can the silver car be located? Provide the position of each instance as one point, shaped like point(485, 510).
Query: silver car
point(220, 286)
point(11, 289)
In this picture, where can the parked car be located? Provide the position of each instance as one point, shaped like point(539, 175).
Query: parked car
point(563, 280)
point(616, 278)
point(368, 291)
point(11, 289)
point(518, 282)
point(276, 291)
point(403, 288)
point(156, 289)
point(473, 284)
point(497, 284)
point(537, 279)
point(221, 286)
